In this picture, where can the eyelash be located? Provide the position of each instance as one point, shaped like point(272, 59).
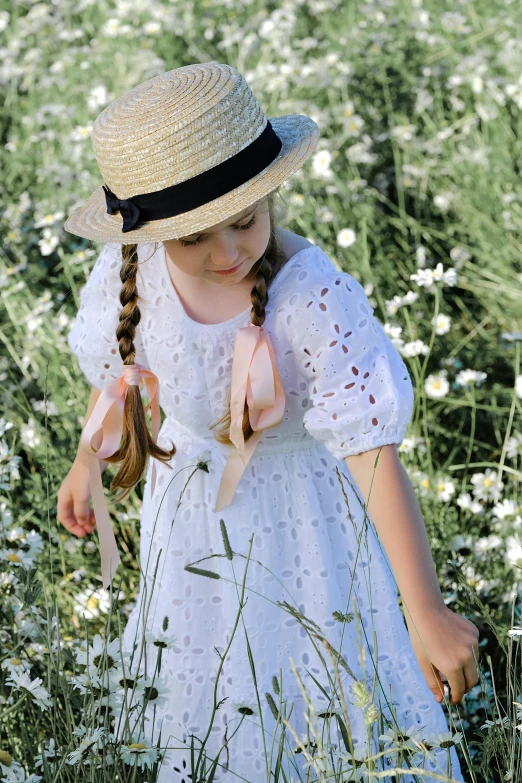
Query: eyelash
point(239, 228)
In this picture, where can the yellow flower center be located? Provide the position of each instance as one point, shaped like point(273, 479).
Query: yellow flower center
point(92, 603)
point(137, 746)
point(13, 558)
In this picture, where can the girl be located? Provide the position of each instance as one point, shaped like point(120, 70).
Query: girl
point(275, 378)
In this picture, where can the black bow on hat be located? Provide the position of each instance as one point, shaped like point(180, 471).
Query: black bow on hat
point(127, 209)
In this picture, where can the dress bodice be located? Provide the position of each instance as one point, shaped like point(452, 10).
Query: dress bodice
point(345, 383)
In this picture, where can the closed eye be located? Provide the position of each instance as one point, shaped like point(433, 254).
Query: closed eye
point(243, 227)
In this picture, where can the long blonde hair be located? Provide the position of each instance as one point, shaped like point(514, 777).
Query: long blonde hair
point(137, 443)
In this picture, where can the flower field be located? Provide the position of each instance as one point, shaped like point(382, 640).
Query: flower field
point(415, 190)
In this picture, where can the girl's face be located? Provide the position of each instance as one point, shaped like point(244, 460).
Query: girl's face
point(241, 239)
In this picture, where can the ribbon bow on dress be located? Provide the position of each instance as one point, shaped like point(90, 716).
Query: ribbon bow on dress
point(105, 424)
point(254, 375)
point(127, 209)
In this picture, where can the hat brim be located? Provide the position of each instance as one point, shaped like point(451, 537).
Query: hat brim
point(299, 136)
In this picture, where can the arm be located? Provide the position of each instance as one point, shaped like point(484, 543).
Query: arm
point(73, 510)
point(81, 456)
point(442, 640)
point(395, 512)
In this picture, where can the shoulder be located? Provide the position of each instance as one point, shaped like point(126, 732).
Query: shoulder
point(290, 242)
point(309, 268)
point(111, 253)
point(107, 268)
point(312, 289)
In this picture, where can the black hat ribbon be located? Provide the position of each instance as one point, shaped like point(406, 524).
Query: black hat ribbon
point(127, 208)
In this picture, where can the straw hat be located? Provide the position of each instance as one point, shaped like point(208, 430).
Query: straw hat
point(184, 151)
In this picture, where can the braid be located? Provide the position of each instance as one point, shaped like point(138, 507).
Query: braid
point(136, 444)
point(130, 315)
point(259, 293)
point(272, 260)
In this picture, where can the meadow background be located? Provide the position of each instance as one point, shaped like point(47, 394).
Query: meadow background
point(414, 189)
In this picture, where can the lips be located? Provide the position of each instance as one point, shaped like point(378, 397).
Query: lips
point(228, 271)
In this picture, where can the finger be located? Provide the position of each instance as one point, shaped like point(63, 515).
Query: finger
point(471, 671)
point(437, 688)
point(457, 683)
point(85, 525)
point(65, 514)
point(73, 527)
point(432, 677)
point(82, 512)
point(69, 518)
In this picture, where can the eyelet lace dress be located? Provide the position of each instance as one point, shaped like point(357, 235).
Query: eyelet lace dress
point(303, 553)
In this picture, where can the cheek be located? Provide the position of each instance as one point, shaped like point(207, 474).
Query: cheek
point(260, 232)
point(190, 264)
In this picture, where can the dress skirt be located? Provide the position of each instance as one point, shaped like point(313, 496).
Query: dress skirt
point(303, 619)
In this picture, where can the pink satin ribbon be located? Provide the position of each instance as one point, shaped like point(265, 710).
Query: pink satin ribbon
point(254, 375)
point(105, 424)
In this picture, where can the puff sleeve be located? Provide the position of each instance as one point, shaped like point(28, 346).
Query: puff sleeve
point(361, 392)
point(92, 337)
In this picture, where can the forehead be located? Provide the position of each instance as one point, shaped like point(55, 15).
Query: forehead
point(228, 222)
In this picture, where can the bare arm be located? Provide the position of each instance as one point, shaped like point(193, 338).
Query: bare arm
point(73, 510)
point(395, 512)
point(443, 642)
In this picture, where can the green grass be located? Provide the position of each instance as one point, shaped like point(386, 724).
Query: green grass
point(432, 176)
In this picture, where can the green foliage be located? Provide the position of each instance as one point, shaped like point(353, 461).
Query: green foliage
point(419, 110)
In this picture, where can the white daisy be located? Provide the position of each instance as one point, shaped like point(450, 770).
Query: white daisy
point(327, 711)
point(446, 739)
point(40, 696)
point(487, 485)
point(346, 237)
point(468, 377)
point(505, 721)
point(16, 665)
point(95, 740)
point(355, 764)
point(140, 753)
point(160, 639)
point(52, 755)
point(91, 602)
point(12, 771)
point(396, 737)
point(436, 386)
point(101, 656)
point(445, 489)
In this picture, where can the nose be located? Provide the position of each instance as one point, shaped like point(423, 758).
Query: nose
point(224, 252)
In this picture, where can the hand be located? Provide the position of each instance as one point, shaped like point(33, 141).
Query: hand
point(73, 510)
point(445, 643)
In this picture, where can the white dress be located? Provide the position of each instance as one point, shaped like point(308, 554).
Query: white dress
point(347, 390)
